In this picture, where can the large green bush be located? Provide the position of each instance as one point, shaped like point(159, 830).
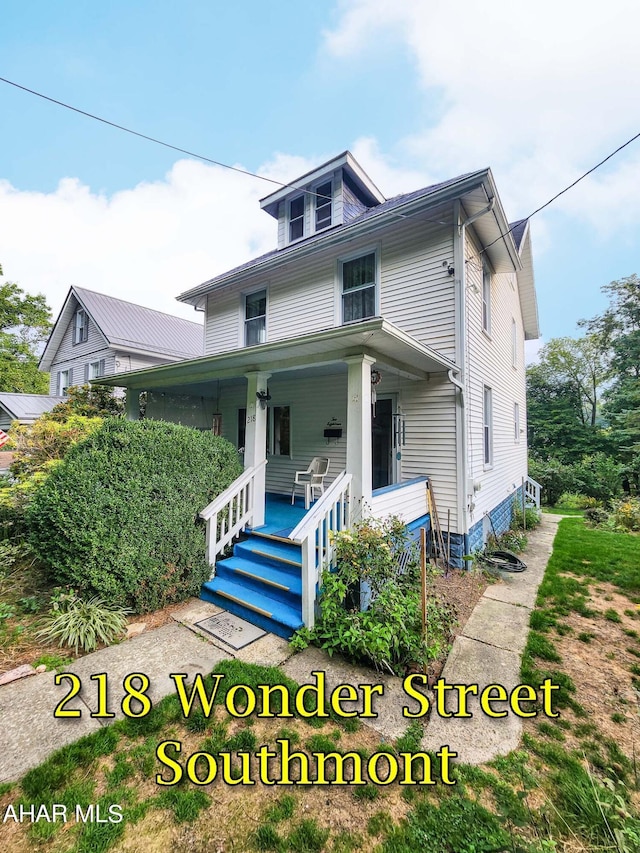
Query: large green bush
point(118, 517)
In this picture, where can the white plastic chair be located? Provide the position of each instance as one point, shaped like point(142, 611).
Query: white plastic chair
point(311, 479)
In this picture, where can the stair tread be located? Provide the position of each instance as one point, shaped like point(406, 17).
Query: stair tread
point(285, 576)
point(270, 548)
point(278, 611)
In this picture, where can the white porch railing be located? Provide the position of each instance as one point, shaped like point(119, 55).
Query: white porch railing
point(532, 492)
point(328, 515)
point(229, 513)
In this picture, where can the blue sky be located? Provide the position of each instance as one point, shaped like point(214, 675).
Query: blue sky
point(419, 90)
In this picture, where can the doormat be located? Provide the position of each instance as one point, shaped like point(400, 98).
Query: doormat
point(232, 630)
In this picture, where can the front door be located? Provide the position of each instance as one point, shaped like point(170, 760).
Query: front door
point(382, 444)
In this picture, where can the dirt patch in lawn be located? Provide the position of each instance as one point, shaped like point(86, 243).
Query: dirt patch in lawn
point(601, 654)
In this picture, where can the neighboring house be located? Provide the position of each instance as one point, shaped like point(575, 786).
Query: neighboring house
point(25, 408)
point(385, 334)
point(96, 335)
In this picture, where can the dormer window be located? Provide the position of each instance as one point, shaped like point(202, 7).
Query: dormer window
point(296, 218)
point(323, 201)
point(80, 326)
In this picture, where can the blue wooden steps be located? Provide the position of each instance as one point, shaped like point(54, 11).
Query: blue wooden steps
point(261, 583)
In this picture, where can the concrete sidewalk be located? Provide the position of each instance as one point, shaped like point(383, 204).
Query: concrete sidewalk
point(487, 652)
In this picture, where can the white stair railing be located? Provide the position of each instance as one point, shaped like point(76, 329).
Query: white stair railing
point(330, 514)
point(229, 513)
point(532, 491)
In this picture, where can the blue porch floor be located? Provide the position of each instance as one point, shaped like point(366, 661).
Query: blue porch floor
point(280, 516)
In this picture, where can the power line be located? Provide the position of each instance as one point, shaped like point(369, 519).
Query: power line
point(272, 180)
point(153, 139)
point(566, 189)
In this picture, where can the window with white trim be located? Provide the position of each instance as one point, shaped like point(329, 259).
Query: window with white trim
point(514, 343)
point(80, 326)
point(278, 430)
point(255, 318)
point(358, 281)
point(487, 426)
point(94, 370)
point(324, 204)
point(486, 298)
point(296, 218)
point(64, 381)
point(516, 422)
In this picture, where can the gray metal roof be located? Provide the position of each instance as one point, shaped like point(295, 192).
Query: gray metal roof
point(386, 206)
point(28, 407)
point(133, 326)
point(129, 327)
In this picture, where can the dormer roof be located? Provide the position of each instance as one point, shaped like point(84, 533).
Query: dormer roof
point(367, 190)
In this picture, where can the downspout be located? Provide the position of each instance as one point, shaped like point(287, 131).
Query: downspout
point(459, 381)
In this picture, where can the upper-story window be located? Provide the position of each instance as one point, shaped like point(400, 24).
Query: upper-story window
point(296, 218)
point(323, 200)
point(486, 299)
point(255, 318)
point(359, 288)
point(64, 381)
point(94, 370)
point(80, 326)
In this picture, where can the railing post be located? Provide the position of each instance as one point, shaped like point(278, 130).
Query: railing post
point(309, 581)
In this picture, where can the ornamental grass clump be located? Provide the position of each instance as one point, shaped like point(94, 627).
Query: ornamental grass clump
point(83, 624)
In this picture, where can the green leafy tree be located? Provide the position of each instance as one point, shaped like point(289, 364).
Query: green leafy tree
point(25, 321)
point(618, 329)
point(89, 401)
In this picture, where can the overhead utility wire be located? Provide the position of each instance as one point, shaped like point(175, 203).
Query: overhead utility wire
point(566, 189)
point(153, 139)
point(272, 180)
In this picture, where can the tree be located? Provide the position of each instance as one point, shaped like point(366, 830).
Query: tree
point(563, 398)
point(25, 321)
point(618, 328)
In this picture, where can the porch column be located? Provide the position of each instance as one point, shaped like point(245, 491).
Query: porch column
point(132, 404)
point(359, 426)
point(255, 447)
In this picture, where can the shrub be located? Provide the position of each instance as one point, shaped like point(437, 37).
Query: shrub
point(388, 634)
point(84, 624)
point(626, 513)
point(530, 518)
point(36, 445)
point(574, 500)
point(118, 517)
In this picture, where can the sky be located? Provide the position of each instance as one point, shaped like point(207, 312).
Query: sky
point(418, 90)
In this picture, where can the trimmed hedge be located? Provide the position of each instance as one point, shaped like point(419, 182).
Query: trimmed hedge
point(118, 518)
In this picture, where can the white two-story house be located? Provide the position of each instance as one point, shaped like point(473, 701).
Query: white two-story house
point(385, 335)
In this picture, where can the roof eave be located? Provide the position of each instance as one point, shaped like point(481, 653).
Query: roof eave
point(349, 231)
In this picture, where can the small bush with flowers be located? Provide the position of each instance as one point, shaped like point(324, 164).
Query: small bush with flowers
point(387, 635)
point(625, 514)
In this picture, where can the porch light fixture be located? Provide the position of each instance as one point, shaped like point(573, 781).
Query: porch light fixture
point(263, 397)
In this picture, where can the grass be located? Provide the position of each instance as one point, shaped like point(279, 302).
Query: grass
point(549, 792)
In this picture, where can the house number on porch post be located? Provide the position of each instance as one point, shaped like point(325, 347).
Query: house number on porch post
point(355, 398)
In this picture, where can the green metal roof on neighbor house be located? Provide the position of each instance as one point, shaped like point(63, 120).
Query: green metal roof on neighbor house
point(127, 327)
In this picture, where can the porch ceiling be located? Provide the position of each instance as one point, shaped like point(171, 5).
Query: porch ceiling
point(392, 348)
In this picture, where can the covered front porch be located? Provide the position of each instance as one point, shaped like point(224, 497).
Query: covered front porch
point(284, 403)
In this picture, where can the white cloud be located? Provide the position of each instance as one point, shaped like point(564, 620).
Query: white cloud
point(145, 244)
point(539, 93)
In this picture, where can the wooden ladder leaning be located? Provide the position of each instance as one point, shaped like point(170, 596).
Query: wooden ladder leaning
point(438, 546)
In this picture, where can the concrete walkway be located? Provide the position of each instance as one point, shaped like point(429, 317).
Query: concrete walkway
point(487, 652)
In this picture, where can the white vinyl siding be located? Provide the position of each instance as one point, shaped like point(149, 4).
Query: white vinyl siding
point(490, 363)
point(486, 298)
point(516, 422)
